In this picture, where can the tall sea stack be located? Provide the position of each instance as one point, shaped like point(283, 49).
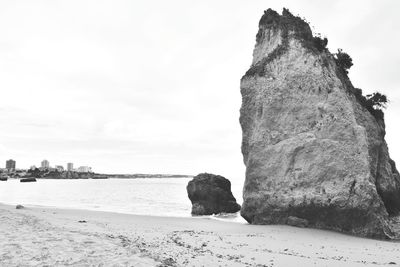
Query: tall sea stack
point(314, 152)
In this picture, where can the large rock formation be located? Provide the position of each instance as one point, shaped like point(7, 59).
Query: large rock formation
point(313, 152)
point(211, 194)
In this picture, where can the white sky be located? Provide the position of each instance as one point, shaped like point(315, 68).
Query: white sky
point(153, 86)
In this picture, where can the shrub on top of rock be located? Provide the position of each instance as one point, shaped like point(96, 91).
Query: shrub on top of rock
point(344, 60)
point(211, 194)
point(320, 43)
point(377, 100)
point(374, 103)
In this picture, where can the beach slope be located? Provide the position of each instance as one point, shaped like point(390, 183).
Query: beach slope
point(39, 236)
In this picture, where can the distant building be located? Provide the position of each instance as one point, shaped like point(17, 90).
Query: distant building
point(70, 167)
point(33, 167)
point(45, 164)
point(10, 164)
point(84, 169)
point(59, 168)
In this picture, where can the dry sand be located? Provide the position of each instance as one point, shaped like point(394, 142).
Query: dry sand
point(39, 236)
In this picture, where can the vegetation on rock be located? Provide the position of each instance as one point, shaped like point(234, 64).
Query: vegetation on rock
point(377, 100)
point(320, 43)
point(343, 60)
point(288, 24)
point(299, 28)
point(374, 103)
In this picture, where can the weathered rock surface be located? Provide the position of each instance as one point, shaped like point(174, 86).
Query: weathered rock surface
point(211, 194)
point(312, 151)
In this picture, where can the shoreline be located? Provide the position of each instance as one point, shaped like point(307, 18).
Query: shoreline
point(239, 219)
point(104, 178)
point(57, 236)
point(230, 218)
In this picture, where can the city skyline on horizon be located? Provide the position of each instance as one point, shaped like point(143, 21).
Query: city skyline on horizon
point(69, 165)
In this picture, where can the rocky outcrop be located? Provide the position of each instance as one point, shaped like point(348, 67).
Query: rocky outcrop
point(211, 194)
point(314, 155)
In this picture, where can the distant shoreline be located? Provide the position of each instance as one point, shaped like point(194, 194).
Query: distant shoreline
point(96, 176)
point(134, 176)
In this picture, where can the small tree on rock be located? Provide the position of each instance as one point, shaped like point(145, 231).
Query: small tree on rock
point(344, 60)
point(320, 43)
point(377, 100)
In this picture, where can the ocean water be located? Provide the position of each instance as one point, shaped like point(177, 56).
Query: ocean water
point(156, 197)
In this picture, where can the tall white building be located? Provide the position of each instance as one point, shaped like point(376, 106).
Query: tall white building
point(70, 167)
point(45, 164)
point(10, 164)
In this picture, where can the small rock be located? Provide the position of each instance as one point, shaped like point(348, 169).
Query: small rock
point(83, 221)
point(18, 207)
point(211, 194)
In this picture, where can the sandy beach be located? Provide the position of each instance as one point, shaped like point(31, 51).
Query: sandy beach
point(40, 236)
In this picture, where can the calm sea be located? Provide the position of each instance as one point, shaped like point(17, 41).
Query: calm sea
point(158, 197)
